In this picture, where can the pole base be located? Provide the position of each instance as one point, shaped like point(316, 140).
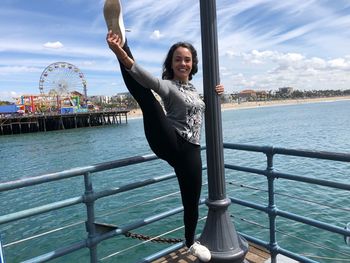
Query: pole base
point(220, 236)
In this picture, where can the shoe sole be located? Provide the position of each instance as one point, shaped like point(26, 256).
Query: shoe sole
point(112, 12)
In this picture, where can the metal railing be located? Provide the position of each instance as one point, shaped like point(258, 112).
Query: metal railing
point(95, 235)
point(272, 209)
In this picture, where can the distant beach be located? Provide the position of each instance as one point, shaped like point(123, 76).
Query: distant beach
point(136, 113)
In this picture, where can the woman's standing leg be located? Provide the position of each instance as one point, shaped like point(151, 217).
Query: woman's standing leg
point(188, 169)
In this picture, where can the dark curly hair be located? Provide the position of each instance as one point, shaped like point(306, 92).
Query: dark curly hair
point(168, 72)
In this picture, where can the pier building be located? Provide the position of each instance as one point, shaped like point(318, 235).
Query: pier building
point(17, 124)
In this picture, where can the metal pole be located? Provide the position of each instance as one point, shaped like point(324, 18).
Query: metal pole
point(219, 233)
point(272, 207)
point(90, 223)
point(2, 258)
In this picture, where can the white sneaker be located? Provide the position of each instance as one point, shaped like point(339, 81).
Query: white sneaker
point(200, 252)
point(112, 12)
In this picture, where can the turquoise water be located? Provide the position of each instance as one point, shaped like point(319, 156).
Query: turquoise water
point(316, 126)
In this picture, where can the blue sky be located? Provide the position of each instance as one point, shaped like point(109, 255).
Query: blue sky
point(263, 44)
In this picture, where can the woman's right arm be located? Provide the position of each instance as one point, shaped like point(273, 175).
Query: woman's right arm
point(143, 77)
point(114, 41)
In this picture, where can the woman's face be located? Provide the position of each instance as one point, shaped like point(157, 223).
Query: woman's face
point(182, 64)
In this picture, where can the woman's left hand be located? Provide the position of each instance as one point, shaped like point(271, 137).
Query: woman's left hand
point(220, 89)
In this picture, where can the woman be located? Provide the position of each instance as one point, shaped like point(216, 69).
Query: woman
point(173, 136)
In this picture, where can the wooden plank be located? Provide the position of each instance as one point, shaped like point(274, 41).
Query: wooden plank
point(256, 254)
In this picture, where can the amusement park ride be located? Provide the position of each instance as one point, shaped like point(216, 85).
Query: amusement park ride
point(62, 90)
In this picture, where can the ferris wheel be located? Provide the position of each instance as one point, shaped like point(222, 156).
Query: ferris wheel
point(62, 78)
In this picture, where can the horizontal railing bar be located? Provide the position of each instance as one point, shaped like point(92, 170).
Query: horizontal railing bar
point(249, 204)
point(42, 234)
point(342, 157)
point(298, 178)
point(311, 180)
point(58, 252)
point(83, 222)
point(142, 243)
point(313, 222)
point(162, 253)
point(73, 201)
point(140, 223)
point(100, 237)
point(132, 186)
point(138, 204)
point(345, 209)
point(40, 210)
point(5, 186)
point(295, 256)
point(333, 156)
point(320, 246)
point(94, 240)
point(249, 148)
point(292, 236)
point(292, 216)
point(76, 200)
point(245, 169)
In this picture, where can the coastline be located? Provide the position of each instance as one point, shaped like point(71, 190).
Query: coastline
point(136, 113)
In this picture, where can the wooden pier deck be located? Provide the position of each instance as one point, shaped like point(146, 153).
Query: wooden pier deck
point(256, 254)
point(50, 122)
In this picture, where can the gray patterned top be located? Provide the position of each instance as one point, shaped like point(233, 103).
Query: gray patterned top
point(183, 106)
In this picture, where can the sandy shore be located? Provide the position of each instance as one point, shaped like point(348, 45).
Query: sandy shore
point(136, 113)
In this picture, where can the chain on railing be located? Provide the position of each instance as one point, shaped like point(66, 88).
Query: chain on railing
point(153, 239)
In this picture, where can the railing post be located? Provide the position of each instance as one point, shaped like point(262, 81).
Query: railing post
point(2, 258)
point(219, 233)
point(90, 223)
point(272, 205)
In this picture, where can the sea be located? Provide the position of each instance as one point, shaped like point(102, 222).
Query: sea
point(321, 126)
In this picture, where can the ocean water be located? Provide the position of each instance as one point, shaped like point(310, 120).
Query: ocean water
point(315, 126)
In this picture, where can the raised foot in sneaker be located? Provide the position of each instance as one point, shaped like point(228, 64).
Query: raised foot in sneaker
point(113, 15)
point(200, 252)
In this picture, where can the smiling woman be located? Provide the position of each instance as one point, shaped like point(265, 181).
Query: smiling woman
point(173, 136)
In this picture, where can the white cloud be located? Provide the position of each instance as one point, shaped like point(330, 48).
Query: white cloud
point(263, 54)
point(292, 57)
point(271, 69)
point(156, 35)
point(339, 63)
point(317, 63)
point(53, 45)
point(88, 63)
point(262, 43)
point(8, 95)
point(17, 69)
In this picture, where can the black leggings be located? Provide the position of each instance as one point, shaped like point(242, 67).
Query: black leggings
point(168, 145)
